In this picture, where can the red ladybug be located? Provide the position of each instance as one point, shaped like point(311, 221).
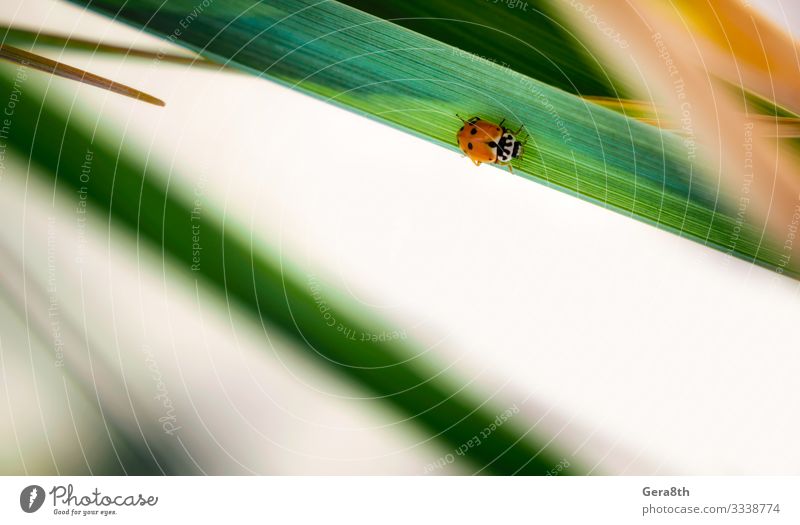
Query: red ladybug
point(485, 141)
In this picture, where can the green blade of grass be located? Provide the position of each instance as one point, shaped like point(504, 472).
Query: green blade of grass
point(416, 83)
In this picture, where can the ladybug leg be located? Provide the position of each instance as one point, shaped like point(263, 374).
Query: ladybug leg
point(476, 162)
point(510, 169)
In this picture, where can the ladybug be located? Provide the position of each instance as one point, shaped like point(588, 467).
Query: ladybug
point(484, 141)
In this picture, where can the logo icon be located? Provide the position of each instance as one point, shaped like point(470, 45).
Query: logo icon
point(31, 498)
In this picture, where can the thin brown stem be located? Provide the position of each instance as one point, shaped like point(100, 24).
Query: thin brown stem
point(47, 65)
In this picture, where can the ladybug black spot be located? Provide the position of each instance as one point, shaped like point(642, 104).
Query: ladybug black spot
point(462, 128)
point(469, 145)
point(474, 131)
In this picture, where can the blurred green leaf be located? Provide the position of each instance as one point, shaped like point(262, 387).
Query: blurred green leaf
point(136, 197)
